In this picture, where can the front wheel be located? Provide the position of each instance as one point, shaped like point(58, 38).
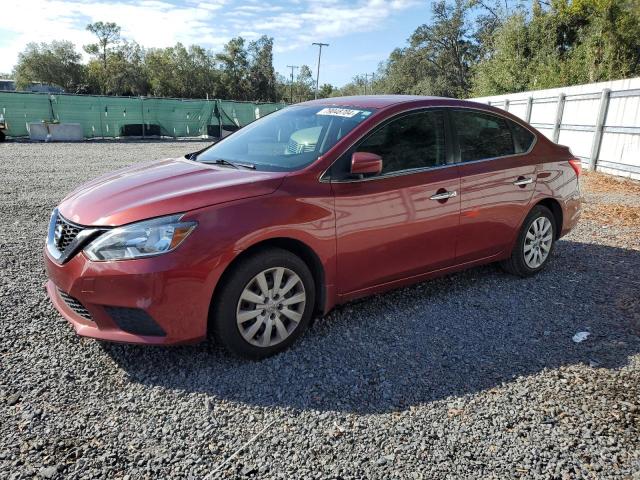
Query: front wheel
point(534, 245)
point(264, 305)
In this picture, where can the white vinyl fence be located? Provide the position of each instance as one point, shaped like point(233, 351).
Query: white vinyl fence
point(600, 122)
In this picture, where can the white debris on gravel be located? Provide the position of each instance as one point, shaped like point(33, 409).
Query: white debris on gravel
point(467, 376)
point(580, 337)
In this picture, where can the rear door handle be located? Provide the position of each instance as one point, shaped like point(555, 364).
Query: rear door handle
point(443, 195)
point(522, 181)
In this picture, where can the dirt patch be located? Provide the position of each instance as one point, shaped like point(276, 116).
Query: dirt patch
point(594, 182)
point(612, 214)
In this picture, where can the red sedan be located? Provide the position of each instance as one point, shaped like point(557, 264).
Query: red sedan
point(306, 208)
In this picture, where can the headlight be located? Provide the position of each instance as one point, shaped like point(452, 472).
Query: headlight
point(142, 239)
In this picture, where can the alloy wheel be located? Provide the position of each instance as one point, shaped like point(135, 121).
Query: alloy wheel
point(537, 242)
point(271, 307)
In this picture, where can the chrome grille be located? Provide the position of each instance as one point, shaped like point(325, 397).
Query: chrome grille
point(69, 233)
point(65, 239)
point(75, 305)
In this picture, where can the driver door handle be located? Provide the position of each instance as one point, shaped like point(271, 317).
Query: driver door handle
point(522, 181)
point(444, 195)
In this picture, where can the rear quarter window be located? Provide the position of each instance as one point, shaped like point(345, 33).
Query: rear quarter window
point(523, 137)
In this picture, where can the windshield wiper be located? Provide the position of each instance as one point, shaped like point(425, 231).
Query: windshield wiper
point(236, 165)
point(220, 161)
point(248, 166)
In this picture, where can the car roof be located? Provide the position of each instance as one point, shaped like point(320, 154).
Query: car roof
point(406, 102)
point(383, 101)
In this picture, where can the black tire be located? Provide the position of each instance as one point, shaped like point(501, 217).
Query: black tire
point(2, 136)
point(223, 311)
point(516, 263)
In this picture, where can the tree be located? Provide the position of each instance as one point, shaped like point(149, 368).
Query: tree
point(283, 88)
point(448, 49)
point(262, 76)
point(55, 63)
point(234, 70)
point(108, 35)
point(439, 57)
point(303, 88)
point(355, 87)
point(507, 67)
point(469, 48)
point(606, 37)
point(326, 90)
point(406, 71)
point(566, 43)
point(182, 72)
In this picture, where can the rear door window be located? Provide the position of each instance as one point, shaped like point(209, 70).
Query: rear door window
point(481, 135)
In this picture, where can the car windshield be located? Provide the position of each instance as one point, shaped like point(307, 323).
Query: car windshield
point(286, 140)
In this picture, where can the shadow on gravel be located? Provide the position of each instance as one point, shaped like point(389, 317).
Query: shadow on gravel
point(447, 337)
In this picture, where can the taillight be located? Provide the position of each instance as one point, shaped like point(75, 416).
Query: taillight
point(576, 164)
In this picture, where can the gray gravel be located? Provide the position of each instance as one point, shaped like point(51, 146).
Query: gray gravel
point(472, 375)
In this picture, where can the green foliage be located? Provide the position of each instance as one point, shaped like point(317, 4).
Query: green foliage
point(439, 57)
point(469, 48)
point(55, 63)
point(283, 88)
point(326, 90)
point(120, 67)
point(235, 69)
point(182, 72)
point(568, 43)
point(108, 34)
point(124, 74)
point(262, 76)
point(355, 87)
point(304, 88)
point(476, 48)
point(503, 73)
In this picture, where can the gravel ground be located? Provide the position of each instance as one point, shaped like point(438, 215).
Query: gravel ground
point(472, 375)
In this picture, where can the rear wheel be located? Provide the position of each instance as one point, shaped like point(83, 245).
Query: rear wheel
point(2, 136)
point(265, 304)
point(534, 245)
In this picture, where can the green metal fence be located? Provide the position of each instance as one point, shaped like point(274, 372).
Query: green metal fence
point(111, 117)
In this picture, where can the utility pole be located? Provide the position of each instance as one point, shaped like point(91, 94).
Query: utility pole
point(320, 45)
point(292, 67)
point(366, 80)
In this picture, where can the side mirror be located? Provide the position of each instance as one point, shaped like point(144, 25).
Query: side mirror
point(365, 163)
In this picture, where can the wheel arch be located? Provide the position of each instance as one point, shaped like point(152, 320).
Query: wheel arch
point(556, 209)
point(296, 247)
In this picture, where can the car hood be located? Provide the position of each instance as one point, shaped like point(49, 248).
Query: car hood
point(162, 188)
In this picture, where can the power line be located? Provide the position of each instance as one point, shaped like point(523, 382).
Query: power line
point(292, 67)
point(320, 45)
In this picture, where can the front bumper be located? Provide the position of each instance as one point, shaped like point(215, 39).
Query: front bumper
point(175, 297)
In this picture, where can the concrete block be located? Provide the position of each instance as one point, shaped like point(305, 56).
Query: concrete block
point(56, 132)
point(66, 132)
point(38, 131)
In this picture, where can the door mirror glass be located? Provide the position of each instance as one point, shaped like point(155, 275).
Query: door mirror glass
point(365, 163)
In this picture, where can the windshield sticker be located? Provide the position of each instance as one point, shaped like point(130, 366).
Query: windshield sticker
point(339, 112)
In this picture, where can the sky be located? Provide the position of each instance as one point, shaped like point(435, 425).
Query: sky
point(360, 33)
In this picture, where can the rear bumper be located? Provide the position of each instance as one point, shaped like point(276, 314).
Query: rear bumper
point(571, 214)
point(173, 300)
